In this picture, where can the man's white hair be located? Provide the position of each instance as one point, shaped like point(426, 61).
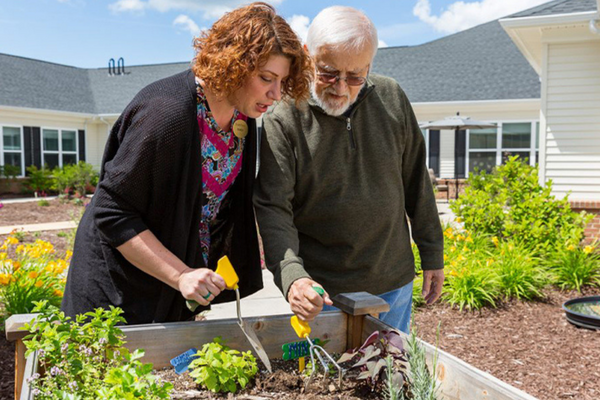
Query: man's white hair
point(343, 28)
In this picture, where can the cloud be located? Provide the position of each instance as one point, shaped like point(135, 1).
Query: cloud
point(381, 44)
point(210, 9)
point(461, 15)
point(127, 6)
point(299, 24)
point(187, 24)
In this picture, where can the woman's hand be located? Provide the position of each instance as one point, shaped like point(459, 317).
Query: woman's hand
point(201, 285)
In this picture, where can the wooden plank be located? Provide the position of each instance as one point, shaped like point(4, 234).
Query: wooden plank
point(458, 380)
point(360, 303)
point(162, 342)
point(22, 389)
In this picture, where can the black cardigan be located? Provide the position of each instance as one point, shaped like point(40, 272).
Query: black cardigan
point(151, 178)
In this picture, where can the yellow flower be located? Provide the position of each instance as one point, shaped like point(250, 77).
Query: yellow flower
point(12, 240)
point(449, 233)
point(460, 237)
point(3, 256)
point(20, 249)
point(51, 267)
point(3, 247)
point(469, 239)
point(32, 275)
point(571, 247)
point(459, 219)
point(453, 248)
point(465, 249)
point(4, 279)
point(16, 266)
point(445, 257)
point(495, 241)
point(58, 293)
point(69, 253)
point(489, 261)
point(588, 249)
point(39, 284)
point(453, 273)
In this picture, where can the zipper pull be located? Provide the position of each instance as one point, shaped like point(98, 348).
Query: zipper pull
point(348, 124)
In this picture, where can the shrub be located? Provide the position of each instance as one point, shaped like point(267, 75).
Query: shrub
point(471, 285)
point(33, 275)
point(220, 369)
point(510, 203)
point(574, 267)
point(40, 180)
point(85, 358)
point(84, 176)
point(519, 273)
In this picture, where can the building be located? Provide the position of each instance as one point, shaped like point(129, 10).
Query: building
point(536, 74)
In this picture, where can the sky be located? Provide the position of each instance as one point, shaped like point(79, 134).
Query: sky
point(88, 33)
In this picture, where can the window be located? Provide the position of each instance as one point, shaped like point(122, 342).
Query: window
point(492, 146)
point(11, 145)
point(516, 140)
point(59, 147)
point(482, 149)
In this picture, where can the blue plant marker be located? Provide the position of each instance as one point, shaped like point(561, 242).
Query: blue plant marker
point(183, 361)
point(295, 350)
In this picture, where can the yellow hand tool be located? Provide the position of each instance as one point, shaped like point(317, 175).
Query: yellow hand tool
point(226, 271)
point(303, 331)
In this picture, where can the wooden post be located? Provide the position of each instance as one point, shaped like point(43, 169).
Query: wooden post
point(14, 333)
point(357, 305)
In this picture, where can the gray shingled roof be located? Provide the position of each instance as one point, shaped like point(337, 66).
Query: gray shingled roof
point(29, 83)
point(558, 7)
point(481, 63)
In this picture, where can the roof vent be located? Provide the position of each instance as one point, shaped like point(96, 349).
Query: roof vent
point(120, 68)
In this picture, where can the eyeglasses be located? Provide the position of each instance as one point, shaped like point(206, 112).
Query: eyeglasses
point(332, 79)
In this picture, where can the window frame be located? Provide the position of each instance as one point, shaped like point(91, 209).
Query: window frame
point(60, 152)
point(21, 152)
point(499, 150)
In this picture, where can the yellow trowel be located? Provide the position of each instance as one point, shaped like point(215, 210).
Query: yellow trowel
point(225, 269)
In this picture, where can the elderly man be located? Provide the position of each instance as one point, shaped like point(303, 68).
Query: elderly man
point(341, 177)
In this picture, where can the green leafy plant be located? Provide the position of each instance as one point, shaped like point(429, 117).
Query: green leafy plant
point(43, 203)
point(368, 361)
point(84, 176)
point(64, 180)
point(574, 267)
point(221, 369)
point(519, 274)
point(40, 180)
point(472, 285)
point(85, 359)
point(510, 203)
point(423, 385)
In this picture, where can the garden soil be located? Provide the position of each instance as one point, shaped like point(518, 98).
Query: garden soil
point(529, 345)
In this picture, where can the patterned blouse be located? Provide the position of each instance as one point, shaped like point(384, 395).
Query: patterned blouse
point(221, 164)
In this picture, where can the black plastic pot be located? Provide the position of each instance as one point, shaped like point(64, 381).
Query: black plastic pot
point(580, 319)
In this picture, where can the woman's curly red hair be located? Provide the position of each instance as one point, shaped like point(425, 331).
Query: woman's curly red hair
point(244, 39)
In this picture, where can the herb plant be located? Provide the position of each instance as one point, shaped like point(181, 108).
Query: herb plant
point(369, 360)
point(221, 369)
point(423, 385)
point(85, 359)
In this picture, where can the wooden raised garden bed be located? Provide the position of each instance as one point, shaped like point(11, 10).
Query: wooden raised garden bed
point(345, 329)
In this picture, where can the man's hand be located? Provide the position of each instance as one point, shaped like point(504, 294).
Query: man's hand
point(432, 284)
point(304, 301)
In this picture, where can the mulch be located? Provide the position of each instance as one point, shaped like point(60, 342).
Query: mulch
point(528, 345)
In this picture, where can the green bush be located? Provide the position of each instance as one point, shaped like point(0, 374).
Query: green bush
point(74, 179)
point(574, 267)
point(40, 180)
point(510, 203)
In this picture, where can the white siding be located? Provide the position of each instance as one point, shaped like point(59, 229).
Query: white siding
point(571, 108)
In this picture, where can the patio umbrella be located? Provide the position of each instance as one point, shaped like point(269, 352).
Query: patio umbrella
point(457, 123)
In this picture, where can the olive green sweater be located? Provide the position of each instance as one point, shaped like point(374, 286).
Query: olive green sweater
point(333, 194)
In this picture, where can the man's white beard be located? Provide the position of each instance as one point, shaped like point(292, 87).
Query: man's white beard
point(330, 109)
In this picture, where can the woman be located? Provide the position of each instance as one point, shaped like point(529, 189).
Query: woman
point(177, 175)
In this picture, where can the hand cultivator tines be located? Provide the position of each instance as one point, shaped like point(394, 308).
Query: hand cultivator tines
point(303, 330)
